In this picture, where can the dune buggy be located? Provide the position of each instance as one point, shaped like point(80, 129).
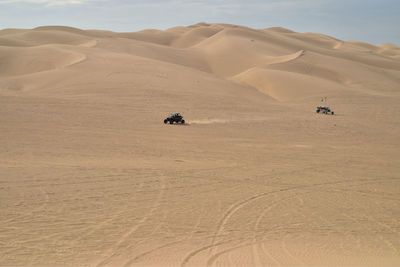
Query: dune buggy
point(174, 117)
point(324, 110)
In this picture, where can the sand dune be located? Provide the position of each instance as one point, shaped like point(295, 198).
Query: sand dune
point(41, 37)
point(20, 61)
point(11, 31)
point(281, 84)
point(91, 176)
point(196, 35)
point(152, 36)
point(279, 29)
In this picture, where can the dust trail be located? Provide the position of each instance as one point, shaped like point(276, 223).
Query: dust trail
point(209, 121)
point(215, 121)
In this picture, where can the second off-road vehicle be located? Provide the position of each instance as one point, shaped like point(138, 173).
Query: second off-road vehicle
point(324, 110)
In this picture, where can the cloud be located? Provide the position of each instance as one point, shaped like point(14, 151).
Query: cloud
point(45, 2)
point(217, 4)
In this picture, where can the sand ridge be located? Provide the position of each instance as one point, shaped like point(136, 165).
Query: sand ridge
point(91, 176)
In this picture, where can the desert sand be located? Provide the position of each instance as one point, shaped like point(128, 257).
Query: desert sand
point(91, 176)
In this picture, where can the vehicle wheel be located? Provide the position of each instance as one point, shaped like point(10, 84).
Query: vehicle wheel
point(171, 122)
point(183, 121)
point(165, 121)
point(317, 111)
point(333, 113)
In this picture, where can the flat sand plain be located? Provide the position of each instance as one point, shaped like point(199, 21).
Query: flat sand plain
point(91, 176)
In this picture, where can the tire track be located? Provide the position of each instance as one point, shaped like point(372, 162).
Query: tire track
point(238, 205)
point(116, 247)
point(148, 252)
point(231, 210)
point(197, 251)
point(257, 245)
point(213, 258)
point(153, 250)
point(387, 242)
point(298, 262)
point(105, 222)
point(170, 244)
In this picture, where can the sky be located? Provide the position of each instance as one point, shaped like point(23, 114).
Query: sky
point(373, 21)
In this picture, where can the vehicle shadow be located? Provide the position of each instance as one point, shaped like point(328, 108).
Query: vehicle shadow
point(179, 124)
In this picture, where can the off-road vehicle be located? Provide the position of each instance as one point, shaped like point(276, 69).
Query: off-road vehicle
point(174, 117)
point(324, 110)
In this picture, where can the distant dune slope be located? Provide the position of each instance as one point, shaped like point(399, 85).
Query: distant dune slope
point(49, 35)
point(240, 54)
point(196, 35)
point(21, 61)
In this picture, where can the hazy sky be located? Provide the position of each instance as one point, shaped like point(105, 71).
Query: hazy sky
point(374, 21)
